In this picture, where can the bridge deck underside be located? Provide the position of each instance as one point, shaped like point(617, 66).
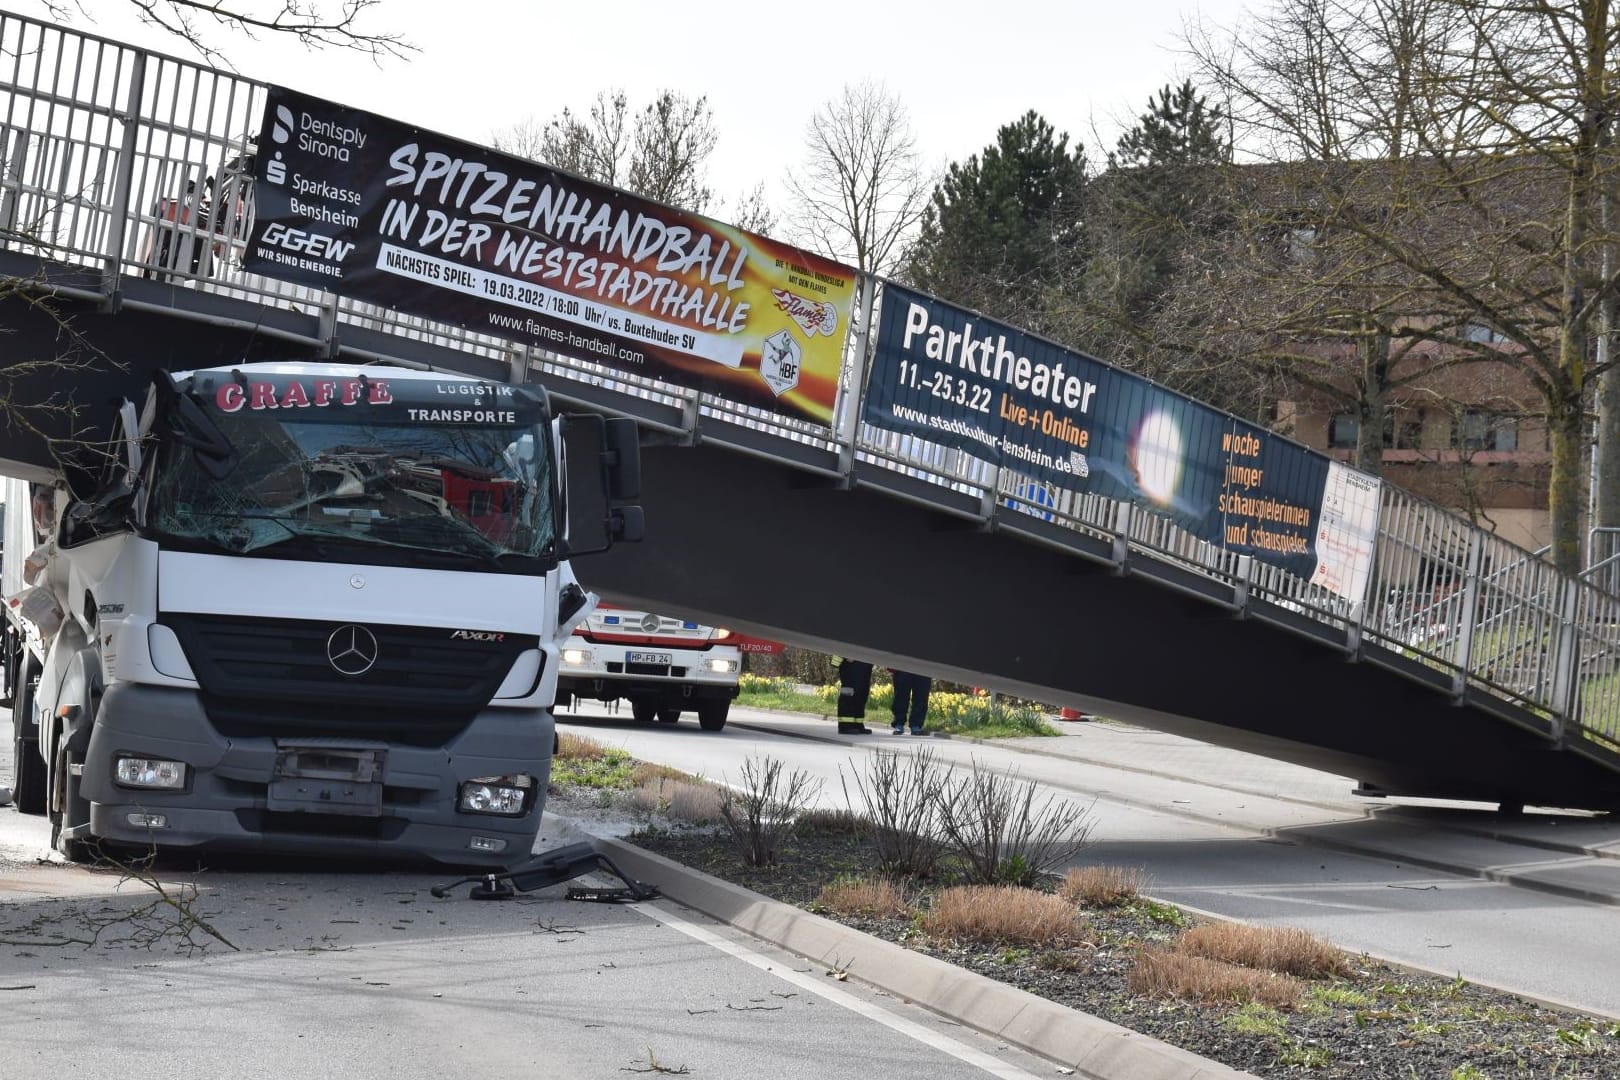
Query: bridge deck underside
point(869, 569)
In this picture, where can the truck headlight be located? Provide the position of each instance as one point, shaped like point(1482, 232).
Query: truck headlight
point(502, 796)
point(575, 657)
point(150, 773)
point(720, 664)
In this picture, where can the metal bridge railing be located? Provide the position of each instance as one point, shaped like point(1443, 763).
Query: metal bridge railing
point(139, 165)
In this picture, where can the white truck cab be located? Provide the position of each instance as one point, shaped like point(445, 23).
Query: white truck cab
point(312, 608)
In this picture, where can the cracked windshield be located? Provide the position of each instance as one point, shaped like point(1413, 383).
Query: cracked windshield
point(372, 476)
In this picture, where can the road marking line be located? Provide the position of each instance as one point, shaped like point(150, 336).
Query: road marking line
point(909, 1028)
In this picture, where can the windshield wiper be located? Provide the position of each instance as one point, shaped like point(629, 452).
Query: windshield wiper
point(441, 534)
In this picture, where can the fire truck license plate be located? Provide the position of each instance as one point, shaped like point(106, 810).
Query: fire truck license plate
point(633, 657)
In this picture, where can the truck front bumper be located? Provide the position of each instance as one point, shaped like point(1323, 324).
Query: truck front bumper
point(236, 793)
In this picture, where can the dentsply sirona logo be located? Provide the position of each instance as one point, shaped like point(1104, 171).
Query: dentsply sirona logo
point(282, 129)
point(351, 650)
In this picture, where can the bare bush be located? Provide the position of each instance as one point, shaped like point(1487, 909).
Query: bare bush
point(1159, 972)
point(1273, 948)
point(900, 796)
point(759, 815)
point(878, 896)
point(995, 825)
point(1102, 886)
point(1005, 914)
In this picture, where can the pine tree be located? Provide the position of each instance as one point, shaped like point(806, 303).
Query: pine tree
point(1005, 226)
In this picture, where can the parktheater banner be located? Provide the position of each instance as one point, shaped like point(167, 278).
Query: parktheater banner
point(374, 209)
point(946, 375)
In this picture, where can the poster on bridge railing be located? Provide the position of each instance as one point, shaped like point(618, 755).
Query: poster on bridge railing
point(944, 374)
point(371, 208)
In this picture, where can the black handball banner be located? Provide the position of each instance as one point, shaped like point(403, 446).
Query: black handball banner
point(374, 209)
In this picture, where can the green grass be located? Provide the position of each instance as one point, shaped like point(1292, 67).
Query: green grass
point(949, 713)
point(614, 769)
point(1256, 1019)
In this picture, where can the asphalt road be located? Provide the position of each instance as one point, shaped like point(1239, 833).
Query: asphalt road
point(363, 974)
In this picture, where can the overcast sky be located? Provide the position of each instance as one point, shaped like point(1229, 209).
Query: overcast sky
point(963, 70)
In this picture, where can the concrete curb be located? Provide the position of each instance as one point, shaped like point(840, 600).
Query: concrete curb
point(1094, 1048)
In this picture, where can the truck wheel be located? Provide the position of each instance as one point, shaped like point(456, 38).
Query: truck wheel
point(75, 812)
point(29, 791)
point(645, 712)
point(712, 714)
point(668, 716)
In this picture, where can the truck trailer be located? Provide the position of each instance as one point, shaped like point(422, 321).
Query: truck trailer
point(308, 607)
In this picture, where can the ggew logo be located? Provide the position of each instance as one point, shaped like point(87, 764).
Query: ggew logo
point(275, 170)
point(307, 243)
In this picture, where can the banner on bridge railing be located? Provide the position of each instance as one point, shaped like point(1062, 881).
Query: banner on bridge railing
point(371, 208)
point(943, 374)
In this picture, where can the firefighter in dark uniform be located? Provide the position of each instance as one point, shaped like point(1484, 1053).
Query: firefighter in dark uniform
point(854, 687)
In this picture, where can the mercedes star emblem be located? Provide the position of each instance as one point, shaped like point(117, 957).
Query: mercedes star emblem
point(351, 650)
point(649, 623)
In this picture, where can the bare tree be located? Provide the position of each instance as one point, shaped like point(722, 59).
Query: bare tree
point(752, 211)
point(594, 146)
point(317, 23)
point(862, 186)
point(670, 148)
point(1460, 148)
point(662, 152)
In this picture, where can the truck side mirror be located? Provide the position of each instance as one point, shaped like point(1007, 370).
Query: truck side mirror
point(603, 458)
point(621, 459)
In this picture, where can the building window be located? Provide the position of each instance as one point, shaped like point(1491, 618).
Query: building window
point(1408, 434)
point(1480, 334)
point(1343, 429)
point(1480, 430)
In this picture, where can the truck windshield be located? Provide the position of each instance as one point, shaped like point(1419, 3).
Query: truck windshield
point(403, 481)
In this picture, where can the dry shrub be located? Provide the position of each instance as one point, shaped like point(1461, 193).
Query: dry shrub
point(1002, 832)
point(1005, 913)
point(864, 896)
point(1159, 972)
point(1270, 948)
point(1102, 886)
point(761, 811)
point(695, 802)
point(578, 747)
point(646, 770)
point(830, 822)
point(691, 801)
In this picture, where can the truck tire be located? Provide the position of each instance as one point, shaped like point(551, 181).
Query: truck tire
point(75, 812)
point(668, 715)
point(29, 789)
point(712, 714)
point(645, 712)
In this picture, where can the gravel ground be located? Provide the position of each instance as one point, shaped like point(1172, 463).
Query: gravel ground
point(1381, 1022)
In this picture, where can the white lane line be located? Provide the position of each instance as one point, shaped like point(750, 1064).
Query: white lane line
point(909, 1028)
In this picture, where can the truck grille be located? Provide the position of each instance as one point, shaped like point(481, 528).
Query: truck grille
point(274, 676)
